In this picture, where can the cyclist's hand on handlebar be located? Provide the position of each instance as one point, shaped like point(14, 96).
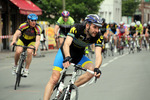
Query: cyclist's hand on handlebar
point(34, 52)
point(13, 42)
point(97, 72)
point(67, 61)
point(66, 64)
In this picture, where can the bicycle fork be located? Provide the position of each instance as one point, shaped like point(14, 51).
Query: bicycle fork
point(69, 86)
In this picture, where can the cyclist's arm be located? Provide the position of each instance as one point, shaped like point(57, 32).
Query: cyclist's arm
point(66, 46)
point(37, 42)
point(146, 32)
point(15, 36)
point(66, 50)
point(98, 60)
point(56, 29)
point(126, 31)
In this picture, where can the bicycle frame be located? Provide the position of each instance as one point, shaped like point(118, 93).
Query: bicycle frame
point(71, 82)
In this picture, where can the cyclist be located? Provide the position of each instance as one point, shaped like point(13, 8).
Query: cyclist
point(122, 31)
point(78, 38)
point(29, 35)
point(132, 32)
point(113, 31)
point(147, 34)
point(139, 32)
point(64, 23)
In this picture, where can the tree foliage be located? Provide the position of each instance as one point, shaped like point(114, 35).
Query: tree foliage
point(129, 7)
point(78, 8)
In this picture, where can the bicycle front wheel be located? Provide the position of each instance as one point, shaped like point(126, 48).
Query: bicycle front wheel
point(19, 74)
point(72, 94)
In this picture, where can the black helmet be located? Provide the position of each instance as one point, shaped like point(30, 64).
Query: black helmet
point(103, 19)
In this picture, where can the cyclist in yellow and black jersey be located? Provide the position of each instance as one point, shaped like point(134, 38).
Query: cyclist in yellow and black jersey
point(113, 32)
point(132, 32)
point(104, 30)
point(80, 36)
point(29, 35)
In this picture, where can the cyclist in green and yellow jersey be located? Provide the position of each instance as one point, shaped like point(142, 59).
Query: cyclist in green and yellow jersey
point(64, 23)
point(139, 31)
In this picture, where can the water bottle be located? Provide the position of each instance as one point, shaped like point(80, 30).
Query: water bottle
point(61, 86)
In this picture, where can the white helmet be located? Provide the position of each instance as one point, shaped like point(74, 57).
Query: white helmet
point(145, 25)
point(121, 23)
point(132, 24)
point(138, 23)
point(148, 22)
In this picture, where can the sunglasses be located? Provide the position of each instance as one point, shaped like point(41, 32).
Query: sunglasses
point(33, 20)
point(65, 17)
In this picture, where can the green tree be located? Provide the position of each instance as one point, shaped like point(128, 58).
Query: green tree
point(78, 8)
point(129, 7)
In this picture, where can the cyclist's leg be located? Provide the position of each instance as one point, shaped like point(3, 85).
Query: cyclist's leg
point(55, 75)
point(18, 51)
point(61, 39)
point(86, 63)
point(29, 54)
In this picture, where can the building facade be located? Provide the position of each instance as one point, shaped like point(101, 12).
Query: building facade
point(111, 10)
point(12, 14)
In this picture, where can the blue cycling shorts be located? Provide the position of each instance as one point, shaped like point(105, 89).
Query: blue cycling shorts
point(58, 62)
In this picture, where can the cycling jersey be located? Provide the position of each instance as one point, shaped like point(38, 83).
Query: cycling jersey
point(77, 47)
point(132, 30)
point(65, 26)
point(104, 28)
point(113, 28)
point(28, 34)
point(139, 29)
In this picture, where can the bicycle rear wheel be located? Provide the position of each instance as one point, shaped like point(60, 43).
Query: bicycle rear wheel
point(72, 94)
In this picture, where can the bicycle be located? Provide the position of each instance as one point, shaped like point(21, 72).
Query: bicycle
point(131, 45)
point(121, 46)
point(20, 69)
point(70, 92)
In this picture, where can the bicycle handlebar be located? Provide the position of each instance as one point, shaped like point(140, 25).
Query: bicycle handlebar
point(24, 47)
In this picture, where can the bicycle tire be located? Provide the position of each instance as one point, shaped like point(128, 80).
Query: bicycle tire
point(18, 76)
point(74, 89)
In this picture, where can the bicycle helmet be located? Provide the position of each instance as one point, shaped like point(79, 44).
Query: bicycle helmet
point(95, 19)
point(103, 19)
point(65, 13)
point(148, 22)
point(145, 25)
point(132, 24)
point(32, 17)
point(138, 23)
point(121, 23)
point(111, 22)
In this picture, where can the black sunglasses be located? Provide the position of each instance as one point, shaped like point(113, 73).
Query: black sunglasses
point(65, 16)
point(33, 20)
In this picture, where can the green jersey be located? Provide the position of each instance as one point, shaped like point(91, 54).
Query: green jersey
point(70, 21)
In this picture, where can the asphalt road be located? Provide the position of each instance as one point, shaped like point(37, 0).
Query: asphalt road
point(124, 77)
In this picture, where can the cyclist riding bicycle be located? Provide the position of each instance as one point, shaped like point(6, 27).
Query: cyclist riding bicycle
point(122, 32)
point(63, 25)
point(78, 38)
point(113, 31)
point(139, 32)
point(29, 35)
point(147, 32)
point(132, 32)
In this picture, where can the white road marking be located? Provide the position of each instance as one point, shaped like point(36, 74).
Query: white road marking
point(115, 58)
